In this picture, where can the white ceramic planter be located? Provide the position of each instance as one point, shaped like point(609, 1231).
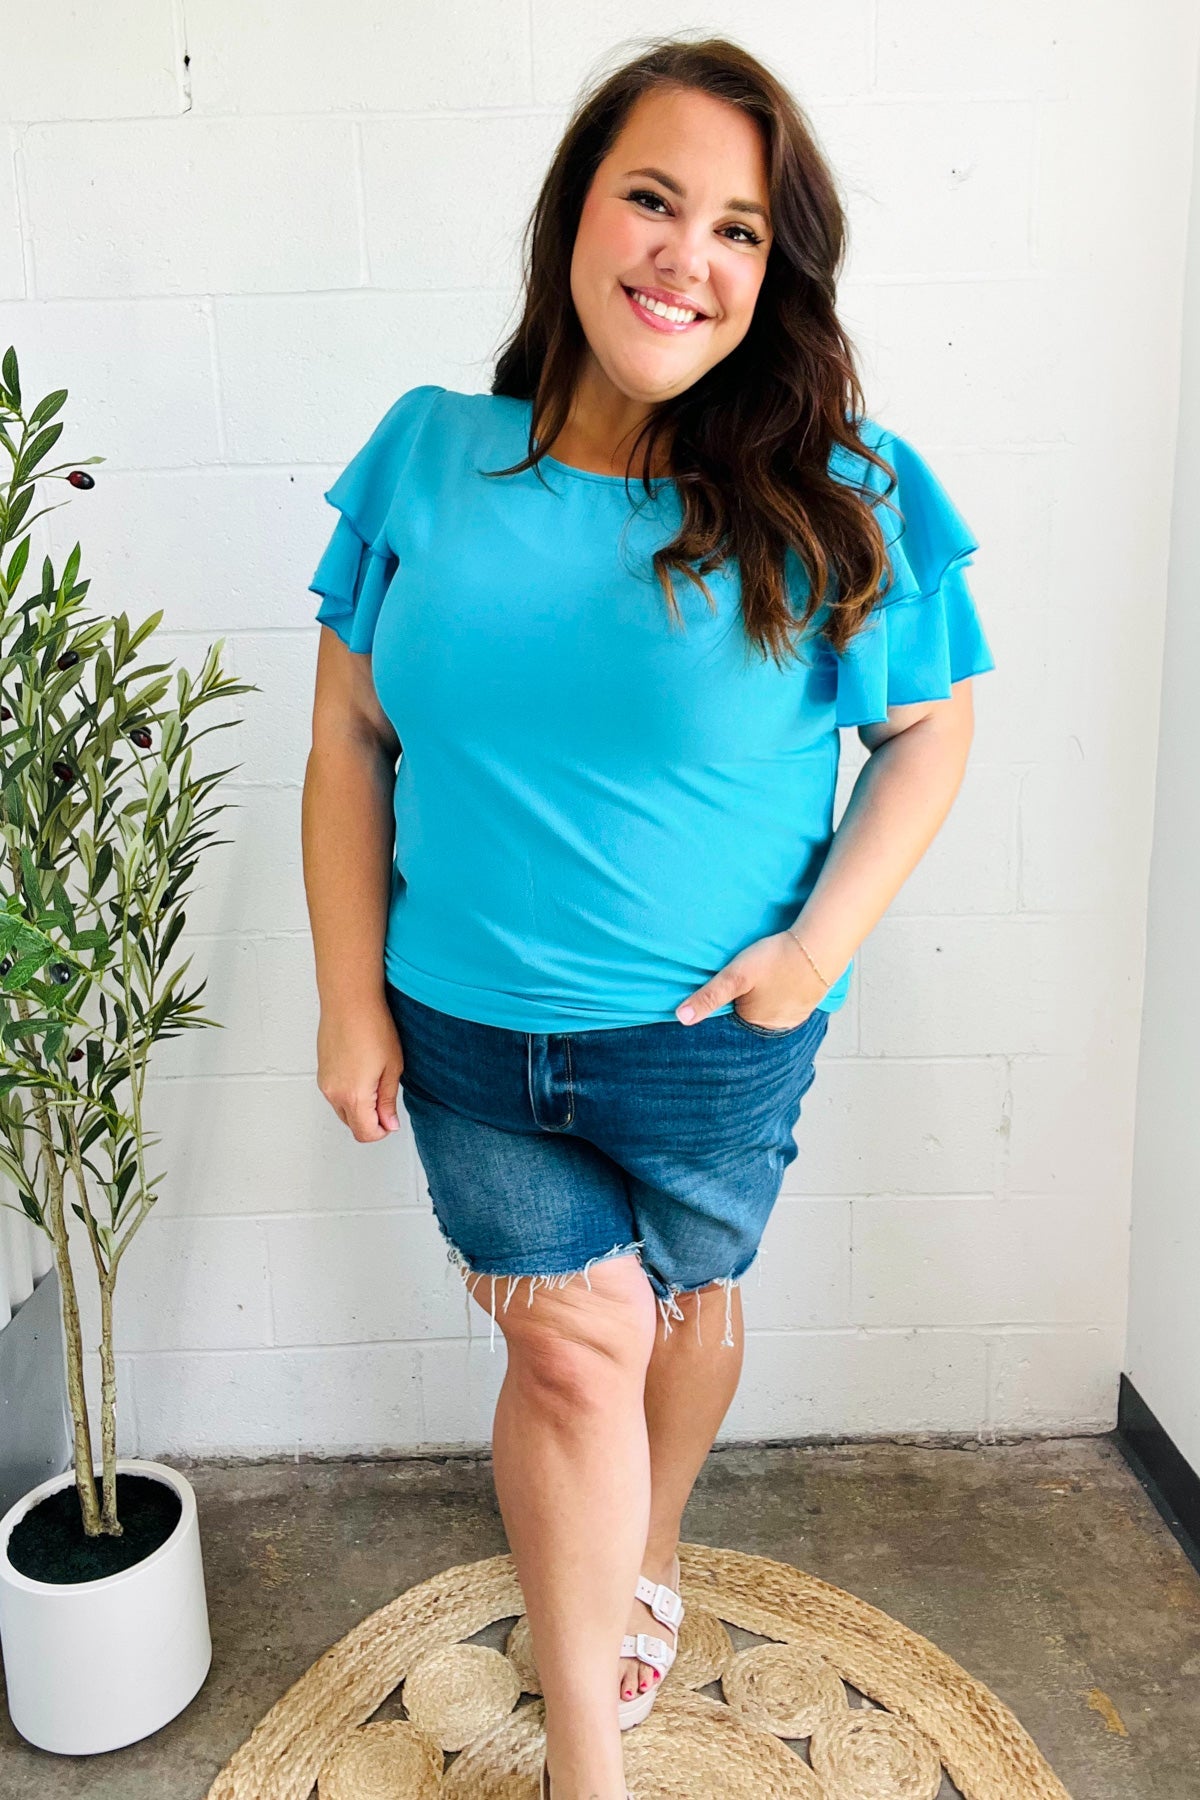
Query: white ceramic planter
point(94, 1665)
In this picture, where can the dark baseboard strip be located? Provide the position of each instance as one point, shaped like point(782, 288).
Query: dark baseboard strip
point(1170, 1481)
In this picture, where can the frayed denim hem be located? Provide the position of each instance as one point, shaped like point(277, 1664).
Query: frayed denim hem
point(670, 1308)
point(511, 1282)
point(668, 1302)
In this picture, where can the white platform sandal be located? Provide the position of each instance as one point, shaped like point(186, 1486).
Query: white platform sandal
point(667, 1608)
point(544, 1785)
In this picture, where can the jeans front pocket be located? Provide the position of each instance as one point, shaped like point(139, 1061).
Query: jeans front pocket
point(817, 1019)
point(812, 1030)
point(764, 1030)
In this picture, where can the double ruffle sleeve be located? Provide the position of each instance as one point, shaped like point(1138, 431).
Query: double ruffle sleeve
point(358, 563)
point(925, 631)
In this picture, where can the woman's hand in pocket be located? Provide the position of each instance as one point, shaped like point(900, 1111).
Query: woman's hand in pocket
point(359, 1064)
point(772, 976)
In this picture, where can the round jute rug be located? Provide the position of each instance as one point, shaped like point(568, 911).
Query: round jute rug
point(840, 1702)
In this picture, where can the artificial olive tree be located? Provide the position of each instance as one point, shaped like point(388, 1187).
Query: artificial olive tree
point(102, 823)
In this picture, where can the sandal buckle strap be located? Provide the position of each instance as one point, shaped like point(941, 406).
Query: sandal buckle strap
point(663, 1601)
point(653, 1650)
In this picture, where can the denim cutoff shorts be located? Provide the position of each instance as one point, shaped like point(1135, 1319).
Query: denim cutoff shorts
point(547, 1152)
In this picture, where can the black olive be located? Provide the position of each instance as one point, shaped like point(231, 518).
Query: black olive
point(67, 660)
point(141, 737)
point(80, 478)
point(64, 771)
point(61, 973)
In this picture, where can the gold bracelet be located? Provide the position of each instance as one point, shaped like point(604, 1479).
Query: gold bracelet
point(804, 947)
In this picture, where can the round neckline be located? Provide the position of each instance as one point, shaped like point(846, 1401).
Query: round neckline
point(656, 481)
point(595, 474)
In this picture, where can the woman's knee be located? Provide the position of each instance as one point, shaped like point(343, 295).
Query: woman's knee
point(578, 1345)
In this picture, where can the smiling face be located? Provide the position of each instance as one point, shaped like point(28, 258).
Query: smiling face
point(677, 212)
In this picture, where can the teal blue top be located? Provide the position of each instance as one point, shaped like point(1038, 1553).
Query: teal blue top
point(595, 810)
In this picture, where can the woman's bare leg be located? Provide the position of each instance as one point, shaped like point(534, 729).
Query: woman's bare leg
point(571, 1462)
point(690, 1382)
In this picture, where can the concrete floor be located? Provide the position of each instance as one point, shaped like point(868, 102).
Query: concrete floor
point(1042, 1567)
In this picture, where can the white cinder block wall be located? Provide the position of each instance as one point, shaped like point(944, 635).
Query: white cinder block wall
point(236, 233)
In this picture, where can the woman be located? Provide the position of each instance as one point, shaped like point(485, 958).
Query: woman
point(615, 612)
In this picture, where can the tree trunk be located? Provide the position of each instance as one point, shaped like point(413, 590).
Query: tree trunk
point(108, 1411)
point(76, 1390)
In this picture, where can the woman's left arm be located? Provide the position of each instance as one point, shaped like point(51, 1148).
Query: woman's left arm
point(901, 798)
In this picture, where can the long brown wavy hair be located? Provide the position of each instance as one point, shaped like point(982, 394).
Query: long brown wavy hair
point(750, 441)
